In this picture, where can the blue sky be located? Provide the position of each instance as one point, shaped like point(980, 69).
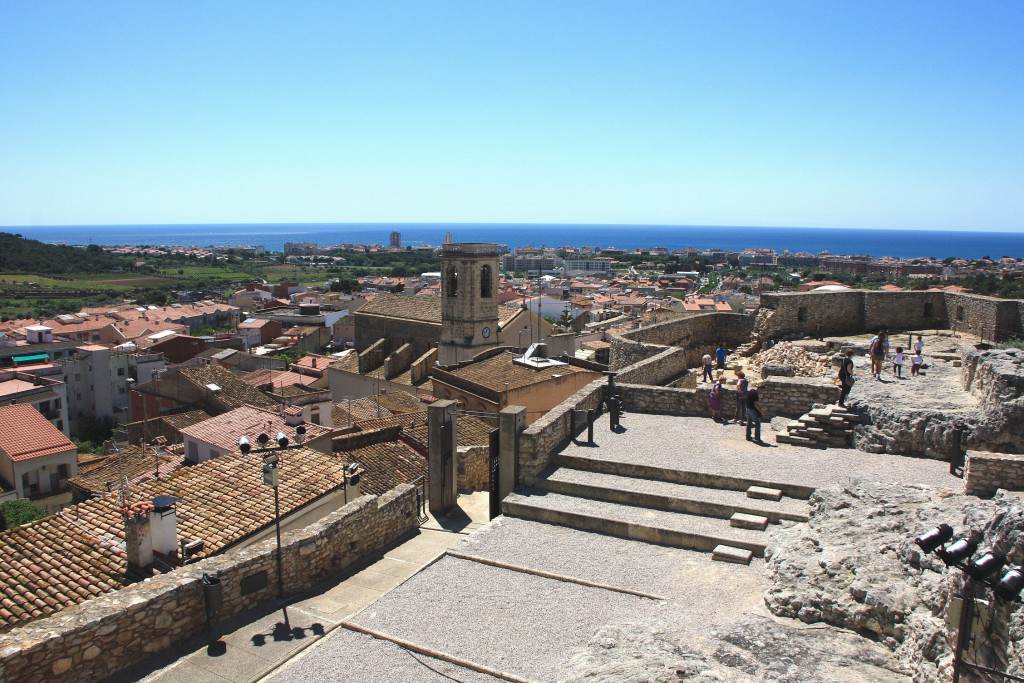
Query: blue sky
point(836, 114)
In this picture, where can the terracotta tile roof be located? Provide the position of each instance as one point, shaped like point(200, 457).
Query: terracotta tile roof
point(26, 434)
point(78, 554)
point(495, 371)
point(348, 412)
point(387, 464)
point(181, 420)
point(131, 463)
point(233, 393)
point(398, 402)
point(278, 378)
point(422, 308)
point(470, 431)
point(224, 430)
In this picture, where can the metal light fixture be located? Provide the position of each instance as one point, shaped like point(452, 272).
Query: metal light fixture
point(300, 434)
point(1009, 587)
point(244, 445)
point(263, 440)
point(957, 552)
point(938, 536)
point(985, 565)
point(282, 440)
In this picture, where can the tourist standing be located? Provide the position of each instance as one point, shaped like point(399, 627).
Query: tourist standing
point(715, 398)
point(741, 397)
point(721, 352)
point(919, 346)
point(897, 363)
point(915, 364)
point(877, 350)
point(708, 369)
point(846, 378)
point(819, 332)
point(754, 414)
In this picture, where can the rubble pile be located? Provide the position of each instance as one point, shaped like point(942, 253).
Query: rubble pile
point(803, 363)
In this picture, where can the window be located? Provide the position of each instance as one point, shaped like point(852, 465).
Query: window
point(453, 281)
point(120, 372)
point(485, 282)
point(801, 315)
point(62, 471)
point(960, 313)
point(60, 425)
point(95, 336)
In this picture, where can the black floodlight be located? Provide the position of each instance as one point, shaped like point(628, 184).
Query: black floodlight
point(263, 440)
point(244, 445)
point(957, 552)
point(931, 541)
point(1010, 585)
point(985, 565)
point(300, 433)
point(282, 439)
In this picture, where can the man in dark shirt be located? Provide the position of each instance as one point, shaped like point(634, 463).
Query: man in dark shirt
point(720, 353)
point(754, 413)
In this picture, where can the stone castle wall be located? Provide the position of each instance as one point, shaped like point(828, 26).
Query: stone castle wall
point(796, 314)
point(986, 472)
point(474, 473)
point(90, 641)
point(783, 397)
point(669, 363)
point(695, 334)
point(549, 433)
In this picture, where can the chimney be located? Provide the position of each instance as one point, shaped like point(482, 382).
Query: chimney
point(314, 361)
point(138, 543)
point(164, 525)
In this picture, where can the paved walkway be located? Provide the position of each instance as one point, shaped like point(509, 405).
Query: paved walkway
point(256, 643)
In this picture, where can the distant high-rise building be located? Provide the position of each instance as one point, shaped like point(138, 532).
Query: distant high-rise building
point(447, 238)
point(396, 238)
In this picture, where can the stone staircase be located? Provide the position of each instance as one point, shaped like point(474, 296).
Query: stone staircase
point(725, 516)
point(820, 428)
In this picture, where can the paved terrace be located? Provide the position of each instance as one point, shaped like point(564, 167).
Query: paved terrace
point(538, 602)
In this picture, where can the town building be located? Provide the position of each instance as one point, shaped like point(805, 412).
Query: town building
point(36, 459)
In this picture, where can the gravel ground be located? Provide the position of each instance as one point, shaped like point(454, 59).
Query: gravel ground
point(663, 488)
point(350, 657)
point(511, 621)
point(683, 576)
point(675, 521)
point(700, 445)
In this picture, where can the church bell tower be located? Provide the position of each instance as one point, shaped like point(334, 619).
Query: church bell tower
point(469, 301)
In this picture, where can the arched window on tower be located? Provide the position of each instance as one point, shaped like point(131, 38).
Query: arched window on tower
point(453, 281)
point(485, 282)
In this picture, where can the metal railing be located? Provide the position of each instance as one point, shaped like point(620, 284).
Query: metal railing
point(420, 484)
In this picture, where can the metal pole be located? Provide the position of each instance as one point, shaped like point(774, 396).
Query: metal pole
point(963, 635)
point(277, 523)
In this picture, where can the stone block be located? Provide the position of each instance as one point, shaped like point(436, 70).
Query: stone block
point(743, 520)
point(764, 493)
point(726, 553)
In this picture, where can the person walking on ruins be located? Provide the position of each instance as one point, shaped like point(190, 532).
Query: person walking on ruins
point(721, 352)
point(897, 363)
point(741, 397)
point(915, 364)
point(846, 378)
point(715, 398)
point(877, 350)
point(919, 346)
point(708, 369)
point(754, 414)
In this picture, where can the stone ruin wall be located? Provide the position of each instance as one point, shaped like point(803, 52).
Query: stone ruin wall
point(695, 334)
point(91, 641)
point(986, 472)
point(795, 314)
point(474, 473)
point(541, 439)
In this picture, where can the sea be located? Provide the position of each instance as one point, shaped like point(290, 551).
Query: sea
point(853, 241)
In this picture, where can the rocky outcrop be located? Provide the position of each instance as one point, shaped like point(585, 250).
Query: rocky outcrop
point(854, 565)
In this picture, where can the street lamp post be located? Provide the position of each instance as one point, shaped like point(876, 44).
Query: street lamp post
point(271, 478)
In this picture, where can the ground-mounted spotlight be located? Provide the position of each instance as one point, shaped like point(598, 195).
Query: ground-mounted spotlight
point(1010, 585)
point(931, 541)
point(244, 445)
point(957, 552)
point(985, 565)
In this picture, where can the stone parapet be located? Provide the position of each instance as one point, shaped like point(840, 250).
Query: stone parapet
point(784, 396)
point(986, 472)
point(91, 641)
point(541, 439)
point(474, 473)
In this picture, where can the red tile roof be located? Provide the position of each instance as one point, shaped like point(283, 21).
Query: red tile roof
point(26, 434)
point(224, 430)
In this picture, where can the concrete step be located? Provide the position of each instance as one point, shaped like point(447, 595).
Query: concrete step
point(795, 440)
point(741, 520)
point(764, 493)
point(625, 521)
point(660, 495)
point(676, 476)
point(724, 553)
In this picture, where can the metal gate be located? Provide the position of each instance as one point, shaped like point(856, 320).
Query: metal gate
point(494, 467)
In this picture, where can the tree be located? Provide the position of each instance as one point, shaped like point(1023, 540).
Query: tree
point(17, 512)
